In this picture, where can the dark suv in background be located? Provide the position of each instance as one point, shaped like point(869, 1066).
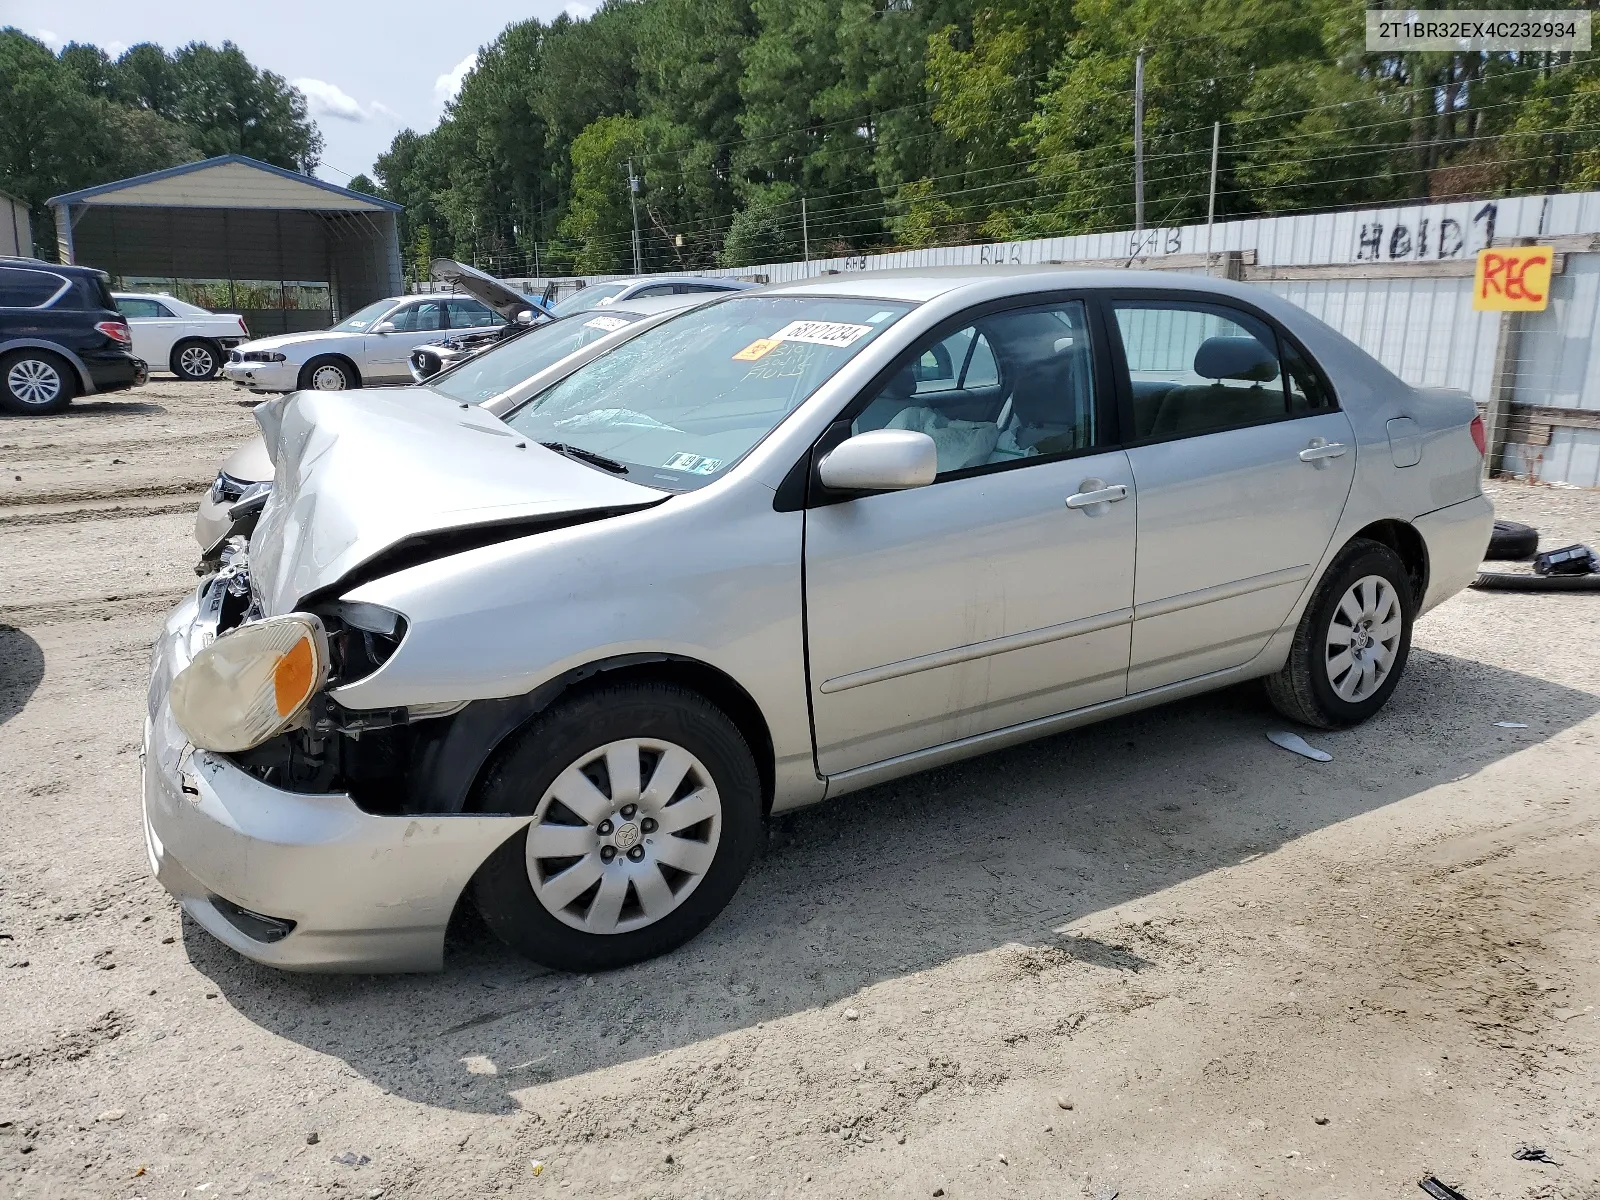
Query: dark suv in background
point(60, 336)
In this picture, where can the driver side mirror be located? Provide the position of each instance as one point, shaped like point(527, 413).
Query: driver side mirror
point(383, 327)
point(880, 460)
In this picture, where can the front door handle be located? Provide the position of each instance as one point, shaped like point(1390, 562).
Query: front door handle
point(1320, 450)
point(1096, 492)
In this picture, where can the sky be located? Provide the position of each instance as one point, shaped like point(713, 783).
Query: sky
point(367, 70)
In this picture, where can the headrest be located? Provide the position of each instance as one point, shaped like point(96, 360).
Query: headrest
point(1049, 391)
point(903, 384)
point(1235, 358)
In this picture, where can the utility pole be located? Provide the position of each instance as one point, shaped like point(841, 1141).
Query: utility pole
point(805, 232)
point(1211, 205)
point(633, 199)
point(1138, 146)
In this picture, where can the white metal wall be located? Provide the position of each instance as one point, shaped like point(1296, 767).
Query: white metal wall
point(1423, 329)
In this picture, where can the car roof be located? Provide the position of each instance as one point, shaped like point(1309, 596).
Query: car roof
point(715, 281)
point(916, 285)
point(649, 306)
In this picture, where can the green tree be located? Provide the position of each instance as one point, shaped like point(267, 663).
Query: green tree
point(600, 215)
point(229, 106)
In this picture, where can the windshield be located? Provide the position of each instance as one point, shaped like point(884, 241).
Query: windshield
point(358, 322)
point(686, 399)
point(592, 296)
point(525, 355)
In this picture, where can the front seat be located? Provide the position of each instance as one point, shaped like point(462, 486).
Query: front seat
point(894, 399)
point(1216, 405)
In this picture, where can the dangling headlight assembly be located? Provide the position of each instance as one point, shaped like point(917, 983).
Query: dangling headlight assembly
point(251, 683)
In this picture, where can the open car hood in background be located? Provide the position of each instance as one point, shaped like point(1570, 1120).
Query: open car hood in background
point(377, 481)
point(501, 297)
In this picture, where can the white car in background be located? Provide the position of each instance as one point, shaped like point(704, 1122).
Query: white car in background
point(371, 346)
point(190, 341)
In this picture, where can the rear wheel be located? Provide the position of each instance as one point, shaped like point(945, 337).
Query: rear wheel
point(646, 812)
point(328, 374)
point(1351, 646)
point(196, 360)
point(34, 382)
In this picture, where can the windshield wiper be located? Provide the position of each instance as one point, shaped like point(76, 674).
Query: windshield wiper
point(588, 456)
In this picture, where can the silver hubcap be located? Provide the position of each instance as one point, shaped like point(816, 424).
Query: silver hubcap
point(34, 381)
point(624, 835)
point(196, 360)
point(1363, 638)
point(327, 378)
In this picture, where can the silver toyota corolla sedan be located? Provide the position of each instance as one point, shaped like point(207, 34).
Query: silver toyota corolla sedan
point(565, 660)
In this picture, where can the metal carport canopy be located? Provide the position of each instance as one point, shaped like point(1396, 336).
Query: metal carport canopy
point(233, 219)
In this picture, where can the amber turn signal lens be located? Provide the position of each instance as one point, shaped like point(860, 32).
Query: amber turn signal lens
point(251, 683)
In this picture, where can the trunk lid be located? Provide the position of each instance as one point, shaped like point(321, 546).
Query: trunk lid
point(358, 474)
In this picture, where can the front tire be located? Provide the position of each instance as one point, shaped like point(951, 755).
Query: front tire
point(35, 383)
point(647, 814)
point(195, 360)
point(328, 374)
point(1351, 646)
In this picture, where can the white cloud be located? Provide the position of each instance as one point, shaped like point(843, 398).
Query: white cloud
point(115, 49)
point(49, 39)
point(324, 99)
point(579, 12)
point(447, 85)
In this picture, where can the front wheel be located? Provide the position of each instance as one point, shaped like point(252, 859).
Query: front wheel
point(1351, 645)
point(328, 375)
point(646, 809)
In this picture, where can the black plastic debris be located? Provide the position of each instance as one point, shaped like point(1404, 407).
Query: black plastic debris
point(1536, 1154)
point(1438, 1190)
point(1576, 559)
point(1512, 542)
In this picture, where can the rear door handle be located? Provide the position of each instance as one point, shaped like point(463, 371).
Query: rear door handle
point(1099, 495)
point(1319, 450)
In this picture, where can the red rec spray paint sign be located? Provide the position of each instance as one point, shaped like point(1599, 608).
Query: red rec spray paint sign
point(1513, 279)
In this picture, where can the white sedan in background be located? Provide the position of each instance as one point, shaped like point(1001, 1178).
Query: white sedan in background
point(190, 341)
point(373, 345)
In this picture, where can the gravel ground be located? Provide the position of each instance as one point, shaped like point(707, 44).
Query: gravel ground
point(1156, 957)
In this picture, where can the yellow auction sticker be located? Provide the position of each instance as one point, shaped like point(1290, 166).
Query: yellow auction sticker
point(757, 348)
point(1513, 279)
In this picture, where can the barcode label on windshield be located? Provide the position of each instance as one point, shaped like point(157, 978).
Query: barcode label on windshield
point(821, 333)
point(609, 324)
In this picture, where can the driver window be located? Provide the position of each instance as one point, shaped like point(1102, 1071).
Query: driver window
point(419, 318)
point(1010, 387)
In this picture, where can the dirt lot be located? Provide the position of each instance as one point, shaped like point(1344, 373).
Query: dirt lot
point(1155, 958)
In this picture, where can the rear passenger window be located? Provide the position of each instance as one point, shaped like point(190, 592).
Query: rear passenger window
point(1196, 369)
point(20, 288)
point(1009, 388)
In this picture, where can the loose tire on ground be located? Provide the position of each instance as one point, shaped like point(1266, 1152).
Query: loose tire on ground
point(1512, 542)
point(647, 813)
point(329, 374)
point(35, 382)
point(195, 359)
point(1359, 620)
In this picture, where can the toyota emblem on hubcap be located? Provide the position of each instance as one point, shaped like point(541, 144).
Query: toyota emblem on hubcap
point(626, 836)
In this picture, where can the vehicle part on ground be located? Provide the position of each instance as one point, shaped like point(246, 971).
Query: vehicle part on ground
point(196, 360)
point(1512, 541)
point(1351, 645)
point(251, 682)
point(1576, 559)
point(1517, 581)
point(329, 374)
point(1295, 744)
point(647, 813)
point(34, 382)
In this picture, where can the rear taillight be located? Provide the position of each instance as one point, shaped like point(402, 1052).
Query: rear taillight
point(243, 328)
point(116, 331)
point(1479, 437)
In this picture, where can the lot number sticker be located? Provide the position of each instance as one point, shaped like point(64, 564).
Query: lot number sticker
point(609, 324)
point(821, 333)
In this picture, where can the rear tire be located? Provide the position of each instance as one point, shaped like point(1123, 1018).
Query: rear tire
point(196, 359)
point(647, 814)
point(35, 383)
point(1351, 646)
point(329, 373)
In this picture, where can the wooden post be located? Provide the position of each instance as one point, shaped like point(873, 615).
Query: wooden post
point(1502, 386)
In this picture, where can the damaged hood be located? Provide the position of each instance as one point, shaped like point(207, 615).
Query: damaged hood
point(366, 478)
point(501, 297)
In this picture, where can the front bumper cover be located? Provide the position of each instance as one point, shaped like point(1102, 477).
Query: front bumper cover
point(263, 376)
point(364, 892)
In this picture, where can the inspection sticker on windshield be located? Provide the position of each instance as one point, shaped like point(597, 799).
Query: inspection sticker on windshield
point(821, 333)
point(695, 464)
point(609, 324)
point(757, 348)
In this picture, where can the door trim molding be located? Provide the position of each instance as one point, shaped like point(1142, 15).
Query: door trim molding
point(975, 650)
point(1222, 591)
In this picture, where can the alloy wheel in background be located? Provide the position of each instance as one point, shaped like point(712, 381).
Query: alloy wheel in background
point(1363, 638)
point(34, 382)
point(624, 836)
point(197, 362)
point(329, 377)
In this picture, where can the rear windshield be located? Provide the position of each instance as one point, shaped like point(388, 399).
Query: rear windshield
point(686, 399)
point(523, 356)
point(594, 296)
